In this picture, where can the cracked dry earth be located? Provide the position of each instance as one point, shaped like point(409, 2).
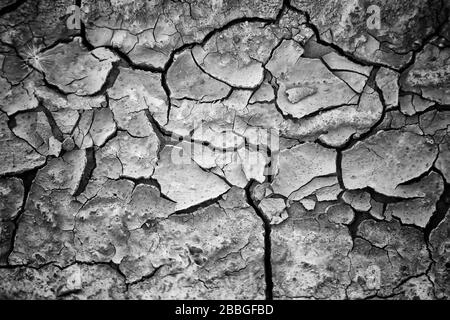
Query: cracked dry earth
point(355, 204)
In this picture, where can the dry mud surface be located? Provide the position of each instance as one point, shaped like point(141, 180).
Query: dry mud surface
point(315, 150)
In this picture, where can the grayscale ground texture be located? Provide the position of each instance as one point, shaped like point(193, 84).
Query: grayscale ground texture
point(356, 205)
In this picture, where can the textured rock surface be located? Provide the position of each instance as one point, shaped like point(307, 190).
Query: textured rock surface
point(133, 93)
point(45, 228)
point(335, 127)
point(17, 155)
point(75, 70)
point(403, 28)
point(252, 149)
point(187, 184)
point(11, 199)
point(137, 156)
point(387, 81)
point(386, 254)
point(305, 85)
point(77, 281)
point(297, 166)
point(387, 160)
point(441, 256)
point(187, 80)
point(221, 246)
point(167, 25)
point(430, 74)
point(418, 210)
point(238, 62)
point(310, 256)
